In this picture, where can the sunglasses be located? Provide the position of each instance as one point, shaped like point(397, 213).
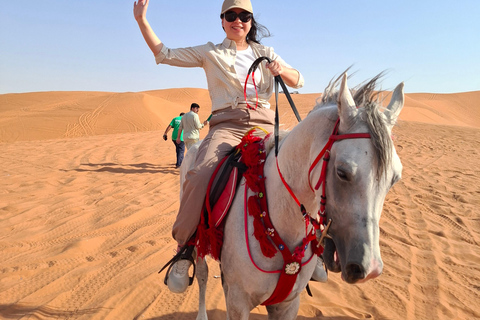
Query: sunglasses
point(231, 16)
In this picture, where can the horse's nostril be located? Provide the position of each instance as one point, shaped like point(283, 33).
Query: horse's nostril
point(354, 272)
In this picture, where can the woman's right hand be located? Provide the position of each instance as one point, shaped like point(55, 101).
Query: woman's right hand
point(140, 9)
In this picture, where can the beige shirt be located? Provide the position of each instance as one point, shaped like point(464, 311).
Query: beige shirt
point(218, 61)
point(190, 125)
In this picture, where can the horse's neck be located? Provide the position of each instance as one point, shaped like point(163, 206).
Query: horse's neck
point(294, 159)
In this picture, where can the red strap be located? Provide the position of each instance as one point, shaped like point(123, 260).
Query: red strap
point(283, 289)
point(287, 280)
point(245, 91)
point(333, 138)
point(336, 137)
point(328, 146)
point(286, 184)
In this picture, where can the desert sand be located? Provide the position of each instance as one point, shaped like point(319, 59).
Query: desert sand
point(89, 192)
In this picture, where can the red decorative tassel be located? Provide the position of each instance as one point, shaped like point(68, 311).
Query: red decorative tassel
point(268, 249)
point(216, 242)
point(202, 240)
point(253, 206)
point(210, 240)
point(254, 210)
point(254, 177)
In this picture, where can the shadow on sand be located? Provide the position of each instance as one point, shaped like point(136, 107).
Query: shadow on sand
point(222, 315)
point(126, 168)
point(16, 311)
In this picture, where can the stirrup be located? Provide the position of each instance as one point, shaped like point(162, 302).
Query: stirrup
point(185, 253)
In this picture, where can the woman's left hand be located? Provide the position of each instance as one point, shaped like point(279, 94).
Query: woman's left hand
point(275, 68)
point(289, 76)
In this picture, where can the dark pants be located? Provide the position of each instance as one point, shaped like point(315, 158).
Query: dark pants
point(180, 151)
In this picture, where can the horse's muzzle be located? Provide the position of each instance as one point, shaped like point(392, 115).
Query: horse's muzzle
point(330, 256)
point(354, 272)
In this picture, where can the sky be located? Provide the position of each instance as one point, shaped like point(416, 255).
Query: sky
point(86, 45)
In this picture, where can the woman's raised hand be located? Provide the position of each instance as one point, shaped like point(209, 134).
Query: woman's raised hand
point(140, 14)
point(140, 9)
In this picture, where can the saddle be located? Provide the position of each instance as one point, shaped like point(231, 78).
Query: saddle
point(219, 197)
point(220, 194)
point(222, 187)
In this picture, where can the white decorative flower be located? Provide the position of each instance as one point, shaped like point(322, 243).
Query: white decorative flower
point(292, 268)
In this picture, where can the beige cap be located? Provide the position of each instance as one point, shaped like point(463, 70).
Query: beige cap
point(242, 4)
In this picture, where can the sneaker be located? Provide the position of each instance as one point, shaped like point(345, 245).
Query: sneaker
point(320, 272)
point(178, 279)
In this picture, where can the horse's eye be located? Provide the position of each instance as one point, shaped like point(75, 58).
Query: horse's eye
point(342, 174)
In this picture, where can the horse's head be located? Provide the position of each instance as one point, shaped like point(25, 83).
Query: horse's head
point(359, 175)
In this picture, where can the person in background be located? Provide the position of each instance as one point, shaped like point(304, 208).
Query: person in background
point(190, 126)
point(176, 138)
point(226, 67)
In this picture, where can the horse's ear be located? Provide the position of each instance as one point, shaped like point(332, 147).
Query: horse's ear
point(346, 104)
point(396, 104)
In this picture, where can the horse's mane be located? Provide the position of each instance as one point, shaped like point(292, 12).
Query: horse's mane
point(368, 102)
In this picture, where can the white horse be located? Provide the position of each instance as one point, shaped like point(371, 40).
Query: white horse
point(358, 176)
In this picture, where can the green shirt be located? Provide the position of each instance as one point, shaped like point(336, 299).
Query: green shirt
point(175, 124)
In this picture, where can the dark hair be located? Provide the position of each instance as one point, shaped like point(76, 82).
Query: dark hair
point(257, 31)
point(182, 113)
point(194, 105)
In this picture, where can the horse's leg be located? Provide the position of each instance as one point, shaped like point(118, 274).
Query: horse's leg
point(284, 310)
point(202, 278)
point(238, 305)
point(225, 287)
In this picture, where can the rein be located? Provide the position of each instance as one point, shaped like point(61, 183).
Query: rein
point(278, 81)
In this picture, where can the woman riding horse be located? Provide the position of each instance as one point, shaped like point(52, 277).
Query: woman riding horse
point(235, 108)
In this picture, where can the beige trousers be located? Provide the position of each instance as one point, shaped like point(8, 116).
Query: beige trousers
point(227, 127)
point(190, 142)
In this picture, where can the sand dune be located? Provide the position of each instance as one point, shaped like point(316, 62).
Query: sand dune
point(89, 192)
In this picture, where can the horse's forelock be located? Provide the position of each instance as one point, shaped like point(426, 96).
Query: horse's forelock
point(380, 136)
point(367, 100)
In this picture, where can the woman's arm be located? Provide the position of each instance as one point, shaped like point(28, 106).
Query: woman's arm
point(140, 14)
point(289, 76)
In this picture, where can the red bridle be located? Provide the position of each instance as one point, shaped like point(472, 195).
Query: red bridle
point(325, 153)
